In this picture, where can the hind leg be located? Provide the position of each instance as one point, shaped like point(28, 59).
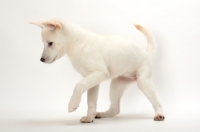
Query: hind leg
point(146, 86)
point(118, 85)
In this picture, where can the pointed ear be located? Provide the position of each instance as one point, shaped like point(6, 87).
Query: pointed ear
point(37, 23)
point(52, 25)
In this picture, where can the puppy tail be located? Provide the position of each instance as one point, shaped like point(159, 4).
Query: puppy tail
point(150, 40)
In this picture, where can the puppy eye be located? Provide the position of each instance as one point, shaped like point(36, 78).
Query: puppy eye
point(50, 43)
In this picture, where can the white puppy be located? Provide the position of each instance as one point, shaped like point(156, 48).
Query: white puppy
point(97, 58)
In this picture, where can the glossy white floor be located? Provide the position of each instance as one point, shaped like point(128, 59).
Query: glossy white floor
point(126, 122)
point(136, 115)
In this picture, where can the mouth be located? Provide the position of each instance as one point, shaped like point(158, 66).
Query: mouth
point(47, 60)
point(53, 60)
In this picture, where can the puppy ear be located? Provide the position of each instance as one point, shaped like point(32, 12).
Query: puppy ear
point(52, 25)
point(37, 23)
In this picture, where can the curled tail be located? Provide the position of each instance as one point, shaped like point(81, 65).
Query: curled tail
point(151, 43)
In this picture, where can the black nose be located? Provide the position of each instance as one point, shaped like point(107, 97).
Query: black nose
point(42, 59)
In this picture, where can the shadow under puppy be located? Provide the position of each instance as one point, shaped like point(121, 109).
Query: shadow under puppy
point(97, 58)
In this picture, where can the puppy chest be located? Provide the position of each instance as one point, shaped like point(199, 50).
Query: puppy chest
point(79, 67)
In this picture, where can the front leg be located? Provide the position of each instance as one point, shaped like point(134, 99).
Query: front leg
point(92, 95)
point(86, 83)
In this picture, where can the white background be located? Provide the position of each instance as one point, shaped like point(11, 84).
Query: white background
point(34, 96)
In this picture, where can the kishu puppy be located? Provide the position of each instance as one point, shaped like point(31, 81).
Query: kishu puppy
point(97, 58)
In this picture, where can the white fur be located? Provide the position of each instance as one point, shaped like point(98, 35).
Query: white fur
point(97, 58)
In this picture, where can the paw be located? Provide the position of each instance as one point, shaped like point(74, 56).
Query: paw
point(86, 120)
point(71, 109)
point(97, 116)
point(108, 113)
point(73, 105)
point(159, 117)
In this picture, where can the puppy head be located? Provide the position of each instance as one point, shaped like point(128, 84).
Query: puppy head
point(54, 39)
